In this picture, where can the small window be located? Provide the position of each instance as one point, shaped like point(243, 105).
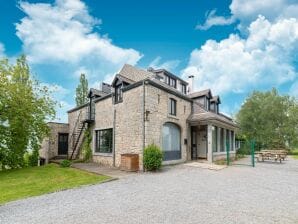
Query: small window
point(183, 88)
point(104, 141)
point(118, 94)
point(171, 82)
point(172, 107)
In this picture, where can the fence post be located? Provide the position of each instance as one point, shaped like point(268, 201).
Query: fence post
point(228, 153)
point(252, 149)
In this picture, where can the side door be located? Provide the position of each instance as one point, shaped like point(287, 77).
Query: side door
point(62, 144)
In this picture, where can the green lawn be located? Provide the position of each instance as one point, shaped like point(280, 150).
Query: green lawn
point(294, 153)
point(32, 181)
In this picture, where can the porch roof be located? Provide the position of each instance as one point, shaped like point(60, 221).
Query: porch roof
point(210, 116)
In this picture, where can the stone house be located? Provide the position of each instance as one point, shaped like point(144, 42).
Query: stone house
point(141, 107)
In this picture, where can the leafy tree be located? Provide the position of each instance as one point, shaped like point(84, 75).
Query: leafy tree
point(82, 91)
point(271, 119)
point(25, 106)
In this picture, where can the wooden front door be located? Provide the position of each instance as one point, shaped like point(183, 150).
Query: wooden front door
point(62, 144)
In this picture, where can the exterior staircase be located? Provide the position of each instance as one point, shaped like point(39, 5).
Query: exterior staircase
point(84, 120)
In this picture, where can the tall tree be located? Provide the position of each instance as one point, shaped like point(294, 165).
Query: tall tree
point(25, 106)
point(270, 118)
point(82, 91)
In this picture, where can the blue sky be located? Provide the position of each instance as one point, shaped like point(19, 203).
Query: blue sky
point(232, 47)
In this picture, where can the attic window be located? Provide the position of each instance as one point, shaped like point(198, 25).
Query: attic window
point(183, 88)
point(118, 94)
point(170, 81)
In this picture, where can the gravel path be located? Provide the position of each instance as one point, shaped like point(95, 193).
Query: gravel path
point(179, 194)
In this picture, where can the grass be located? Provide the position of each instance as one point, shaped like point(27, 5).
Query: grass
point(33, 181)
point(294, 153)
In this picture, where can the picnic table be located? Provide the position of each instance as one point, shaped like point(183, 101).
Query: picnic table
point(271, 155)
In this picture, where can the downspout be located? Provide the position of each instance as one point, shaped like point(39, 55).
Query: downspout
point(143, 122)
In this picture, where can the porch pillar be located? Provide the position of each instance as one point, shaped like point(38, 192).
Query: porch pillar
point(225, 139)
point(209, 143)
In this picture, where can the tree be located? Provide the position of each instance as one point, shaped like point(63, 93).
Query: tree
point(82, 91)
point(25, 106)
point(269, 118)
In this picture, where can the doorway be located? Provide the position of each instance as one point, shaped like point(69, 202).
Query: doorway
point(202, 142)
point(62, 144)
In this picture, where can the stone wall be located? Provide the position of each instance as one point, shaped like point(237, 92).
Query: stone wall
point(222, 156)
point(128, 126)
point(72, 119)
point(49, 146)
point(158, 113)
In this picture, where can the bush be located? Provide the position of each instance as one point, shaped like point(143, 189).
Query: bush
point(65, 163)
point(86, 147)
point(33, 158)
point(152, 158)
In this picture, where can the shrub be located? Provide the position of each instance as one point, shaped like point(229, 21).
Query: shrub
point(33, 158)
point(65, 163)
point(152, 158)
point(86, 147)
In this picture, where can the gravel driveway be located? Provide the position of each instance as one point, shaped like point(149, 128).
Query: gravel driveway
point(179, 194)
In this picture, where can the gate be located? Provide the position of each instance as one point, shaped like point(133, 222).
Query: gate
point(245, 153)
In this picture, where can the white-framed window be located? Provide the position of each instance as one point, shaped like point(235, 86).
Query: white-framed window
point(172, 107)
point(104, 140)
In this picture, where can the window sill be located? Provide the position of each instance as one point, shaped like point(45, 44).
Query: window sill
point(173, 117)
point(103, 154)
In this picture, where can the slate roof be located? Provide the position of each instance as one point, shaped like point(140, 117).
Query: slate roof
point(135, 74)
point(205, 92)
point(210, 116)
point(215, 99)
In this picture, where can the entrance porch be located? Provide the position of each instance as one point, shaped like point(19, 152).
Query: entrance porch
point(209, 141)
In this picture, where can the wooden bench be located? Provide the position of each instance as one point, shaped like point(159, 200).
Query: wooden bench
point(271, 155)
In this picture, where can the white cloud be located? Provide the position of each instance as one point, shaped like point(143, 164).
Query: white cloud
point(168, 65)
point(247, 11)
point(61, 114)
point(64, 32)
point(294, 90)
point(2, 50)
point(213, 20)
point(236, 64)
point(60, 95)
point(64, 35)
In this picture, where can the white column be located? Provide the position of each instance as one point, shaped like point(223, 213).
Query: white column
point(225, 139)
point(209, 144)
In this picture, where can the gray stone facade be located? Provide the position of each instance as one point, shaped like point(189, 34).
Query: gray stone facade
point(139, 118)
point(49, 146)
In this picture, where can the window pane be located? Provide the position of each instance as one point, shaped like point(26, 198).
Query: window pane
point(171, 144)
point(232, 140)
point(214, 139)
point(104, 141)
point(172, 107)
point(222, 147)
point(228, 139)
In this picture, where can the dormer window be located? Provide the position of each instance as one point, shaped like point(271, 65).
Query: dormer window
point(170, 81)
point(183, 88)
point(118, 94)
